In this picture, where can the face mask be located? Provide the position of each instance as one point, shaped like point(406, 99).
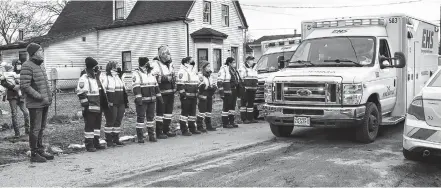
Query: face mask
point(192, 63)
point(113, 72)
point(96, 69)
point(18, 67)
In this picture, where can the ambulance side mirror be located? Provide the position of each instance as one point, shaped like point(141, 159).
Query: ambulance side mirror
point(400, 60)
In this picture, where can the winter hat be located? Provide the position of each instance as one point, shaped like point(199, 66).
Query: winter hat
point(32, 48)
point(8, 67)
point(142, 61)
point(90, 62)
point(229, 60)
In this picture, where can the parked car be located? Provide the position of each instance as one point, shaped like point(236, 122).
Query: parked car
point(422, 129)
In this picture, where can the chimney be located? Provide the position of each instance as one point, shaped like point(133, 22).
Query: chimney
point(295, 32)
point(20, 35)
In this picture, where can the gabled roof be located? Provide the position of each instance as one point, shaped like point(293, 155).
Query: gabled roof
point(273, 37)
point(208, 32)
point(242, 16)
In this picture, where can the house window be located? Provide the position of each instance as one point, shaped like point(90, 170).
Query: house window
point(127, 61)
point(84, 39)
point(202, 55)
point(207, 12)
point(225, 15)
point(23, 56)
point(217, 60)
point(234, 55)
point(119, 10)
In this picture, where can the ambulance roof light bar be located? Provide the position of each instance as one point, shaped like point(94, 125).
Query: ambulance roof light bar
point(341, 23)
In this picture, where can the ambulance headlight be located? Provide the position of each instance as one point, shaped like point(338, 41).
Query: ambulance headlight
point(352, 94)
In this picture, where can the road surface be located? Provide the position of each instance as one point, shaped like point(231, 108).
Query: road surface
point(247, 156)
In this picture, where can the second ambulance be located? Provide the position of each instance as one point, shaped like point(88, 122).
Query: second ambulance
point(359, 72)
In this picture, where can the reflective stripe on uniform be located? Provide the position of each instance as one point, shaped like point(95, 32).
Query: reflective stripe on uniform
point(116, 129)
point(108, 129)
point(88, 135)
point(94, 108)
point(224, 113)
point(158, 95)
point(243, 109)
point(139, 125)
point(191, 94)
point(250, 109)
point(168, 116)
point(227, 91)
point(159, 118)
point(201, 115)
point(183, 118)
point(150, 123)
point(96, 132)
point(191, 118)
point(148, 98)
point(83, 100)
point(139, 95)
point(232, 112)
point(167, 91)
point(207, 114)
point(250, 87)
point(202, 97)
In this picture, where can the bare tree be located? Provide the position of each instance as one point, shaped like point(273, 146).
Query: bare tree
point(34, 18)
point(249, 38)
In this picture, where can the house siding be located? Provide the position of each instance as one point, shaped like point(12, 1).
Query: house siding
point(235, 35)
point(71, 52)
point(143, 40)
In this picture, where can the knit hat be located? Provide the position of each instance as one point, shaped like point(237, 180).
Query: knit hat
point(32, 48)
point(229, 60)
point(90, 62)
point(142, 61)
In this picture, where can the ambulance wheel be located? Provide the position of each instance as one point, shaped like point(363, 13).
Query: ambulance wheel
point(413, 156)
point(281, 131)
point(368, 130)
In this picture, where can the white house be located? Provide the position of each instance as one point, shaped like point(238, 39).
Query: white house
point(125, 30)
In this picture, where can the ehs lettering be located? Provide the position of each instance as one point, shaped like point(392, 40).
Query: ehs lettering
point(340, 31)
point(427, 41)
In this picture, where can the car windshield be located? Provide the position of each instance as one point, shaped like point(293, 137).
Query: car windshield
point(268, 62)
point(436, 82)
point(335, 51)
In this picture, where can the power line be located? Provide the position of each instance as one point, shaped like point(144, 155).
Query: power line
point(322, 7)
point(281, 13)
point(273, 28)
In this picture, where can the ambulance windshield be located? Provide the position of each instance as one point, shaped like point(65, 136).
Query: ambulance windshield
point(268, 62)
point(335, 51)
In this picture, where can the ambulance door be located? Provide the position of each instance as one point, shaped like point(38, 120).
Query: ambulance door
point(387, 79)
point(414, 47)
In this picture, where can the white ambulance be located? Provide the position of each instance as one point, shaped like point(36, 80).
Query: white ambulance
point(359, 72)
point(269, 62)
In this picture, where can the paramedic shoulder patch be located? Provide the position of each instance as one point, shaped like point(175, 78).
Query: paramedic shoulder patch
point(134, 79)
point(81, 84)
point(201, 79)
point(181, 75)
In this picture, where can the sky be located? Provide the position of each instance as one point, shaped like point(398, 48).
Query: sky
point(273, 21)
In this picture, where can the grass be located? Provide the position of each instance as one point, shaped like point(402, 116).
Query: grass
point(67, 127)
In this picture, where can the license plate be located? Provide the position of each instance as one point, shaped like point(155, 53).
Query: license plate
point(302, 121)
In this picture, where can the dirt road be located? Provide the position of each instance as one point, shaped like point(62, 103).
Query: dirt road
point(247, 156)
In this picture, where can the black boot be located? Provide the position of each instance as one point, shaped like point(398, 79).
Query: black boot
point(109, 140)
point(89, 145)
point(192, 127)
point(184, 128)
point(166, 128)
point(151, 132)
point(160, 130)
point(208, 124)
point(96, 143)
point(200, 124)
point(116, 139)
point(231, 118)
point(46, 155)
point(37, 158)
point(243, 116)
point(225, 122)
point(140, 135)
point(250, 117)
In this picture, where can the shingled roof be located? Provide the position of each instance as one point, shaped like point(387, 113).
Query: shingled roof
point(208, 32)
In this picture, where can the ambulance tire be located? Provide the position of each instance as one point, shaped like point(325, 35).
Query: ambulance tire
point(413, 156)
point(368, 130)
point(281, 131)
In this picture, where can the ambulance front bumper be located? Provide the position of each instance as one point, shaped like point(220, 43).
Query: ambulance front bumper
point(317, 116)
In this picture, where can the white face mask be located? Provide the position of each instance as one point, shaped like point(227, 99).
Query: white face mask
point(113, 72)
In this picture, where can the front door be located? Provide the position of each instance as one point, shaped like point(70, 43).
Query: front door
point(202, 55)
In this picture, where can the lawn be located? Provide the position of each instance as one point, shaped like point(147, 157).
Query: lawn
point(67, 128)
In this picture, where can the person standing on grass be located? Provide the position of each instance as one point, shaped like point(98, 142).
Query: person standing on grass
point(249, 76)
point(229, 82)
point(15, 96)
point(35, 86)
point(164, 74)
point(205, 95)
point(117, 97)
point(88, 92)
point(187, 86)
point(146, 91)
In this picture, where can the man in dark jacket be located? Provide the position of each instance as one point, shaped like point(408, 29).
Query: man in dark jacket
point(35, 86)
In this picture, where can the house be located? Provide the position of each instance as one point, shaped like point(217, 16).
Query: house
point(124, 30)
point(256, 45)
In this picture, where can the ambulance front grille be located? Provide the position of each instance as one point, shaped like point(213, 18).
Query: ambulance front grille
point(307, 93)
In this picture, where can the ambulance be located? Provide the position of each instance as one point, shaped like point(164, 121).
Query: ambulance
point(354, 72)
point(269, 62)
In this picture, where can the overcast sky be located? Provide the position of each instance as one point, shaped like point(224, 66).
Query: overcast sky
point(272, 21)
